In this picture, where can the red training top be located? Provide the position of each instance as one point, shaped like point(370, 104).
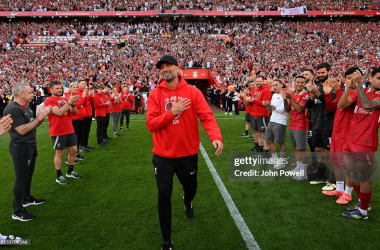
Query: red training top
point(178, 136)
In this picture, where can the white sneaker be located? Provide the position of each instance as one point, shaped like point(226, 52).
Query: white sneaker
point(296, 169)
point(329, 187)
point(279, 166)
point(225, 113)
point(302, 176)
point(230, 113)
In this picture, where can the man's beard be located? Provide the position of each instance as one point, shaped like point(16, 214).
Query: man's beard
point(168, 77)
point(323, 79)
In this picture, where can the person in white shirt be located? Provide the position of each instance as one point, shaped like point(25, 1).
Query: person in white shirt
point(276, 129)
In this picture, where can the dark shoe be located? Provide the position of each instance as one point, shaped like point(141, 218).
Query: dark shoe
point(83, 150)
point(75, 162)
point(80, 158)
point(23, 215)
point(167, 245)
point(188, 208)
point(127, 128)
point(32, 201)
point(105, 141)
point(120, 129)
point(90, 148)
point(101, 144)
point(312, 170)
point(109, 138)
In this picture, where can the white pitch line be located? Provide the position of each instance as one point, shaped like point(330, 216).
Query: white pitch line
point(234, 211)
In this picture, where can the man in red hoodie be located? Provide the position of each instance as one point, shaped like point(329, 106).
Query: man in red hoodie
point(173, 109)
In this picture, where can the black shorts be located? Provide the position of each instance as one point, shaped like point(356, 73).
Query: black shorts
point(247, 118)
point(64, 141)
point(260, 123)
point(321, 138)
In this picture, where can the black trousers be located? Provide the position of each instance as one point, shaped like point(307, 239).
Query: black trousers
point(86, 127)
point(137, 106)
point(77, 125)
point(236, 105)
point(101, 121)
point(107, 125)
point(229, 105)
point(24, 160)
point(127, 114)
point(186, 169)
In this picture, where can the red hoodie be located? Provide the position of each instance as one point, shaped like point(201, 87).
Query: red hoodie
point(99, 104)
point(88, 102)
point(259, 95)
point(107, 98)
point(127, 99)
point(178, 136)
point(79, 105)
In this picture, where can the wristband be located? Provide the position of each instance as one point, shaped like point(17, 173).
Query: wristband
point(38, 120)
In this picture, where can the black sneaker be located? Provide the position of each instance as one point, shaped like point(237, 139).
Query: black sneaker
point(105, 141)
point(80, 158)
point(83, 150)
point(23, 215)
point(188, 208)
point(120, 129)
point(101, 144)
point(108, 138)
point(32, 201)
point(90, 148)
point(167, 245)
point(75, 162)
point(127, 128)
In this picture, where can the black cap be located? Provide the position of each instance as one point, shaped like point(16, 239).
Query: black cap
point(167, 58)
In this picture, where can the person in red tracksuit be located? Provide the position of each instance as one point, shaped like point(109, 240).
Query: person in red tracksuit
point(106, 93)
point(172, 116)
point(127, 98)
point(100, 104)
point(77, 119)
point(87, 120)
point(116, 110)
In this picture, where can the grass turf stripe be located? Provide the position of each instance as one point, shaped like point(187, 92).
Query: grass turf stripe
point(234, 211)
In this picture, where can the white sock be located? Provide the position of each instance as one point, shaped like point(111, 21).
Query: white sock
point(2, 237)
point(364, 212)
point(274, 156)
point(340, 186)
point(299, 165)
point(348, 190)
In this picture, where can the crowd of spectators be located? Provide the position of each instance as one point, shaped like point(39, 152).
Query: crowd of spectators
point(267, 5)
point(84, 5)
point(274, 49)
point(215, 5)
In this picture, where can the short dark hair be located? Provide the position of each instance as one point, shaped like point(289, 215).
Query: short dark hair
point(260, 77)
point(324, 65)
point(54, 82)
point(99, 86)
point(250, 81)
point(299, 76)
point(352, 70)
point(278, 80)
point(375, 71)
point(107, 86)
point(310, 70)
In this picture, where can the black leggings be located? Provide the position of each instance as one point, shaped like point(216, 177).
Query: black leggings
point(127, 114)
